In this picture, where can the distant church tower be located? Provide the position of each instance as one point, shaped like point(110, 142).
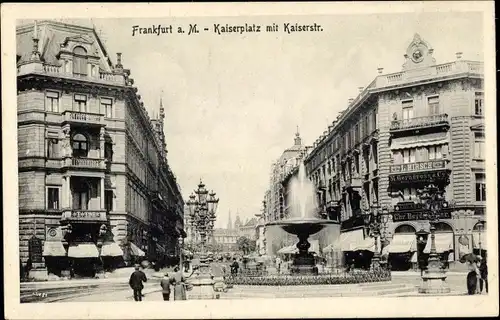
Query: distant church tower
point(237, 222)
point(297, 140)
point(230, 222)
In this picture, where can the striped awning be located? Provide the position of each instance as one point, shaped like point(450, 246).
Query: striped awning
point(416, 141)
point(53, 249)
point(444, 242)
point(111, 249)
point(367, 244)
point(83, 250)
point(348, 241)
point(136, 251)
point(401, 243)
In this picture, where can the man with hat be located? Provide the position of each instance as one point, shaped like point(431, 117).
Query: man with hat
point(136, 279)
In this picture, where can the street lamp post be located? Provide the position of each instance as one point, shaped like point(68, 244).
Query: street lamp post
point(376, 220)
point(202, 207)
point(434, 278)
point(480, 228)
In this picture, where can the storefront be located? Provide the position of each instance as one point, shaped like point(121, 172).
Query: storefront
point(401, 248)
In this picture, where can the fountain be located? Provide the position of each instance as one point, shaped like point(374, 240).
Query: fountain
point(303, 222)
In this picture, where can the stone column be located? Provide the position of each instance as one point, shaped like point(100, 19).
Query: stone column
point(101, 145)
point(64, 193)
point(102, 194)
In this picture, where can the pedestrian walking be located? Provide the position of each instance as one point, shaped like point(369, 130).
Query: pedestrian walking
point(483, 272)
point(179, 282)
point(472, 278)
point(165, 287)
point(136, 282)
point(234, 267)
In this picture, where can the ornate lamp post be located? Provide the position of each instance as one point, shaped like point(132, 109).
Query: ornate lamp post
point(480, 229)
point(202, 207)
point(434, 278)
point(376, 219)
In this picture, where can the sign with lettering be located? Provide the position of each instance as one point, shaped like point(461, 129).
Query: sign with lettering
point(85, 215)
point(419, 215)
point(418, 166)
point(421, 176)
point(35, 250)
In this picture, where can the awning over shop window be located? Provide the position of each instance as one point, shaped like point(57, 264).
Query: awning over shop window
point(136, 251)
point(444, 242)
point(53, 249)
point(367, 244)
point(83, 250)
point(111, 249)
point(414, 257)
point(475, 240)
point(401, 243)
point(288, 250)
point(415, 141)
point(349, 241)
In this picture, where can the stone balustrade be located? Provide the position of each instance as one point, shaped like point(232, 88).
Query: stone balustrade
point(419, 122)
point(84, 117)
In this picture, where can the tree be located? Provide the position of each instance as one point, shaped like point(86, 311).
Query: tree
point(246, 245)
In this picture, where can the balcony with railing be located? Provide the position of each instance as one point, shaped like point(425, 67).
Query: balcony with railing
point(85, 163)
point(433, 121)
point(87, 118)
point(103, 77)
point(430, 73)
point(82, 216)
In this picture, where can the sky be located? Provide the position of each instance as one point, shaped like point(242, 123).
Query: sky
point(233, 101)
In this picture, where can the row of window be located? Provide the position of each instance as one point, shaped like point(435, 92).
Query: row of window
point(136, 202)
point(418, 154)
point(80, 103)
point(434, 107)
point(80, 201)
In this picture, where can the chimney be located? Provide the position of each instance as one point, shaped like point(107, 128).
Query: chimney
point(350, 101)
point(380, 70)
point(459, 55)
point(360, 89)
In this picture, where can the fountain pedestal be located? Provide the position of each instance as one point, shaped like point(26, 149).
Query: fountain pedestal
point(303, 262)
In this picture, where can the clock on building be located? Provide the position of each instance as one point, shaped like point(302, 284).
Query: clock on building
point(417, 55)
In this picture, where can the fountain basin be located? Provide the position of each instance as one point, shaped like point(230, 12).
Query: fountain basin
point(303, 262)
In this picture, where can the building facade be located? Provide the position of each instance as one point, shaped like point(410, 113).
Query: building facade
point(403, 131)
point(95, 186)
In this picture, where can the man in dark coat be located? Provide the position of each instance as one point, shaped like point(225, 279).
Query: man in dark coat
point(234, 267)
point(165, 286)
point(136, 279)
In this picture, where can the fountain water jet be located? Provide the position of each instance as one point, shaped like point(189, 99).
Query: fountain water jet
point(303, 222)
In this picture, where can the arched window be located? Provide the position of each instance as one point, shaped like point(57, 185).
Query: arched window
point(80, 145)
point(80, 61)
point(443, 227)
point(405, 228)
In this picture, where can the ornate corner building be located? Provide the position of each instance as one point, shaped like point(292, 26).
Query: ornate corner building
point(403, 131)
point(95, 187)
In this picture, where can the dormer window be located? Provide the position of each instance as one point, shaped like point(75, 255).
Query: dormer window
point(79, 61)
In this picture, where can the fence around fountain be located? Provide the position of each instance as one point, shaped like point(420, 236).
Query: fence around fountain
point(332, 277)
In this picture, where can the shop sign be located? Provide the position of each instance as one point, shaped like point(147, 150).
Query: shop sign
point(419, 215)
point(421, 176)
point(418, 166)
point(85, 215)
point(35, 250)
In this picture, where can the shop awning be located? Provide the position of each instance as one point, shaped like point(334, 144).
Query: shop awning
point(414, 257)
point(136, 251)
point(111, 249)
point(367, 244)
point(53, 249)
point(401, 243)
point(288, 250)
point(475, 240)
point(83, 250)
point(416, 141)
point(349, 241)
point(444, 242)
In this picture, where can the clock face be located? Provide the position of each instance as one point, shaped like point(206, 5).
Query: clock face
point(52, 232)
point(417, 55)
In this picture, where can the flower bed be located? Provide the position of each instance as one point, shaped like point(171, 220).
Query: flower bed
point(297, 280)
